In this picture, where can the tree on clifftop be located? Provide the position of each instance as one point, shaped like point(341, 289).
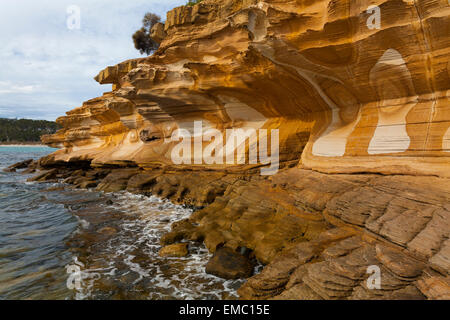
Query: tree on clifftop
point(141, 38)
point(193, 2)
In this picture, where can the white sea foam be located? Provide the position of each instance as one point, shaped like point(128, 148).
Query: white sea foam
point(177, 278)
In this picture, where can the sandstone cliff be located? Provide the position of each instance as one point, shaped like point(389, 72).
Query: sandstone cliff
point(345, 98)
point(350, 101)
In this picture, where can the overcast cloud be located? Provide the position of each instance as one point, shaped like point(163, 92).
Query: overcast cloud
point(47, 69)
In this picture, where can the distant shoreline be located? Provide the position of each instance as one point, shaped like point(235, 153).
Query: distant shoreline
point(22, 145)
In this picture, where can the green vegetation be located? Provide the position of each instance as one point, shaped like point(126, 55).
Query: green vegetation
point(193, 2)
point(142, 39)
point(25, 130)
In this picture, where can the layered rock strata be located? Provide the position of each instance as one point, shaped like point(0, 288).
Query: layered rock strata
point(357, 95)
point(346, 94)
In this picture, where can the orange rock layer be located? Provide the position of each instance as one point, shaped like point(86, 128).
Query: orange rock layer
point(345, 96)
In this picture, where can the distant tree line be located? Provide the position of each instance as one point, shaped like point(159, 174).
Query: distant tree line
point(25, 130)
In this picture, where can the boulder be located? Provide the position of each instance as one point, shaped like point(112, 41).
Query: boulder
point(45, 176)
point(229, 264)
point(174, 250)
point(117, 180)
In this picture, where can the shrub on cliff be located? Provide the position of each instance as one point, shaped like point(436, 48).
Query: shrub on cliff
point(193, 2)
point(142, 39)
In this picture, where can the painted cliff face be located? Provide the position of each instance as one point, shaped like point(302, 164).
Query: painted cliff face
point(350, 86)
point(393, 83)
point(396, 90)
point(446, 137)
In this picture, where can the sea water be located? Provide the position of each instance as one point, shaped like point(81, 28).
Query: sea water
point(57, 242)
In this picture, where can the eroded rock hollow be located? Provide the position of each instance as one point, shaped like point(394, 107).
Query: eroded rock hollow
point(356, 94)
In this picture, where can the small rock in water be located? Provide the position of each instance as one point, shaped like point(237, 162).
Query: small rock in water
point(229, 264)
point(45, 176)
point(29, 170)
point(107, 230)
point(170, 238)
point(174, 250)
point(19, 165)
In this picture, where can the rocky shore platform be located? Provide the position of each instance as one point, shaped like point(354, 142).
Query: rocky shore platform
point(318, 235)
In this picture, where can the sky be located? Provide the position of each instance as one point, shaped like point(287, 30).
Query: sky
point(48, 57)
